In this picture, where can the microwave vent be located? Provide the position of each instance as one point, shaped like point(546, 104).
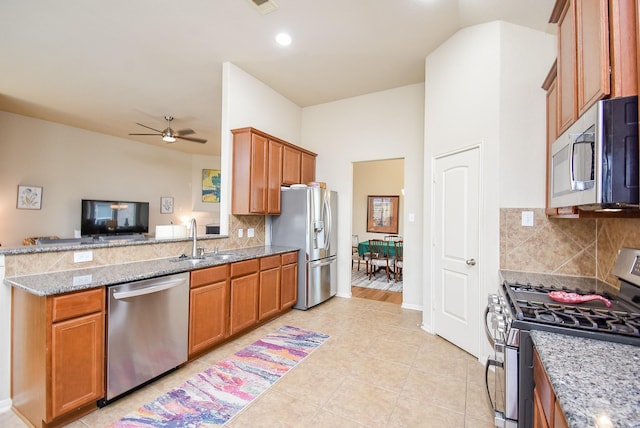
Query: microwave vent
point(264, 6)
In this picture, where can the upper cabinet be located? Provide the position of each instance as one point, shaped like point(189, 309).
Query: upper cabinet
point(261, 164)
point(597, 58)
point(596, 54)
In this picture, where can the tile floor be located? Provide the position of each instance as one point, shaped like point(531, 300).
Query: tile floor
point(378, 369)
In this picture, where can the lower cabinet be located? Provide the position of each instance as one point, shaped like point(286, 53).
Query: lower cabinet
point(244, 295)
point(57, 355)
point(208, 308)
point(289, 280)
point(269, 297)
point(546, 410)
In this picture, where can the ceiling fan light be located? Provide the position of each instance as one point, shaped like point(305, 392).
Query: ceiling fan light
point(168, 138)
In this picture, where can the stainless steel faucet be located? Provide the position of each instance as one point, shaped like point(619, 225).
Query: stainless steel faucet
point(194, 234)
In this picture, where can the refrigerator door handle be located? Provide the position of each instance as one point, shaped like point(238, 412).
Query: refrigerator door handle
point(329, 223)
point(323, 262)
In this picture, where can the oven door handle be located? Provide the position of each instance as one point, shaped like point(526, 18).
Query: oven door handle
point(486, 328)
point(495, 363)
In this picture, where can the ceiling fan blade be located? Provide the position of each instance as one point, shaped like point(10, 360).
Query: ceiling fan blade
point(148, 127)
point(145, 134)
point(194, 139)
point(186, 131)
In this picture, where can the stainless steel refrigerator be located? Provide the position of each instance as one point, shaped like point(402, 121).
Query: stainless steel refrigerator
point(308, 220)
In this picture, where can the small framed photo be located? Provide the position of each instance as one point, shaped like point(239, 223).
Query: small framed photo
point(29, 198)
point(166, 205)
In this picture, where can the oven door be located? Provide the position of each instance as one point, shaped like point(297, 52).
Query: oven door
point(501, 372)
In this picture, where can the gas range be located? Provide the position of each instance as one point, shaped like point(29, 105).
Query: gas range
point(529, 306)
point(524, 303)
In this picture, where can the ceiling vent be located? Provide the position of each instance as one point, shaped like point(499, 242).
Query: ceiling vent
point(264, 6)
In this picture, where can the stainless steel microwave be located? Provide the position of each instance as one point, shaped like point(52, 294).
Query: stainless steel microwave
point(594, 163)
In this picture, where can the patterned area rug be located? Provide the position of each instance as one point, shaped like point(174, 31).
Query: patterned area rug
point(359, 278)
point(214, 396)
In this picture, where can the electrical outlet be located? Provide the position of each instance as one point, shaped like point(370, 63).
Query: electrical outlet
point(250, 232)
point(82, 256)
point(527, 218)
point(240, 233)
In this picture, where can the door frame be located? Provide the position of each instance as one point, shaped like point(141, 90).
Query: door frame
point(485, 262)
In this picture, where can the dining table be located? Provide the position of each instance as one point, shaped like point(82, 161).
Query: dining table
point(363, 248)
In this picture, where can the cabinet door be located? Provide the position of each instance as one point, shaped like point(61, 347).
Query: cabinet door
point(77, 363)
point(244, 302)
point(275, 177)
point(291, 165)
point(269, 293)
point(307, 168)
point(259, 174)
point(539, 418)
point(592, 42)
point(552, 135)
point(566, 67)
point(208, 315)
point(289, 288)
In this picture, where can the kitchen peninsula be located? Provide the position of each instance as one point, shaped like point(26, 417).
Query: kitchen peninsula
point(59, 316)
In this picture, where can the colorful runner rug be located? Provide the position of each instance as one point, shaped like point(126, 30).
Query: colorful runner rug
point(214, 396)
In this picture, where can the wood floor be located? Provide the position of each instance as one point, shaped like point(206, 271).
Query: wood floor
point(373, 294)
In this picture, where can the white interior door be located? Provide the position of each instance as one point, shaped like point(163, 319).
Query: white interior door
point(456, 227)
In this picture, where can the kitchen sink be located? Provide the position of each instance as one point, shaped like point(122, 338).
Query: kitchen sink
point(205, 257)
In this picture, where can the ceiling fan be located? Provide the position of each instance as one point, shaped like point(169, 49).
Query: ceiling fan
point(170, 136)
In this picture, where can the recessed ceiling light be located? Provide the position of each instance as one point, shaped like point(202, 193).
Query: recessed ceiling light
point(283, 39)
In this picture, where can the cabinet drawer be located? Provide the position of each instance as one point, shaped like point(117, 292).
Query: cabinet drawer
point(209, 275)
point(245, 267)
point(289, 258)
point(269, 262)
point(76, 304)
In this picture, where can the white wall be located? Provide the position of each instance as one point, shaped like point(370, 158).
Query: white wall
point(381, 125)
point(5, 342)
point(71, 164)
point(248, 102)
point(483, 85)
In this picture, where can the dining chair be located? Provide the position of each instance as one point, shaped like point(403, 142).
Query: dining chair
point(355, 257)
point(379, 257)
point(398, 254)
point(392, 238)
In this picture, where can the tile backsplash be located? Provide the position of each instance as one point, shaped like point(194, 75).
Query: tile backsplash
point(584, 247)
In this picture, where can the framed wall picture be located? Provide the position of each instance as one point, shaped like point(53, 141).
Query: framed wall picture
point(166, 205)
point(210, 185)
point(29, 198)
point(382, 214)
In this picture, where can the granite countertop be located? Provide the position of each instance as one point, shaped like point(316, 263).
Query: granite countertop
point(80, 279)
point(597, 383)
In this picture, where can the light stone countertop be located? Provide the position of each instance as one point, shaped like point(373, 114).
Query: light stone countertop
point(597, 383)
point(81, 279)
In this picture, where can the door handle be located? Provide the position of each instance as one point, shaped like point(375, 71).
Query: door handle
point(471, 262)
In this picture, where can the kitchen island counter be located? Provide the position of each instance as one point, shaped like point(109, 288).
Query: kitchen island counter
point(597, 383)
point(45, 284)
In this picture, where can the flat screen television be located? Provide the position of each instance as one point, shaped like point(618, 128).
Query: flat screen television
point(100, 218)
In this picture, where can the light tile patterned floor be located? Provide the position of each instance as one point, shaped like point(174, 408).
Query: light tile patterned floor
point(378, 369)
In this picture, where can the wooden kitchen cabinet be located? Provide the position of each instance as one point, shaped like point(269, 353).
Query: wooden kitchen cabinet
point(596, 54)
point(208, 308)
point(57, 355)
point(291, 166)
point(551, 86)
point(244, 295)
point(261, 164)
point(289, 280)
point(547, 412)
point(269, 295)
point(307, 168)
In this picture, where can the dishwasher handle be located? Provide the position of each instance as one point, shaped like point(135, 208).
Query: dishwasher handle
point(156, 287)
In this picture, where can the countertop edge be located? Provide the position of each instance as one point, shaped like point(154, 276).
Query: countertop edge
point(52, 283)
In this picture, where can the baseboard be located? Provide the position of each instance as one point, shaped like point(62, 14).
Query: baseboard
point(411, 306)
point(5, 405)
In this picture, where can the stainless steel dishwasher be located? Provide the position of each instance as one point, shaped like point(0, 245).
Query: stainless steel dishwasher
point(147, 331)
